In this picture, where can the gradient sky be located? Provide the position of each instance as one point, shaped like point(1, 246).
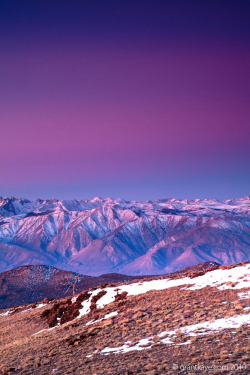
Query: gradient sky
point(133, 99)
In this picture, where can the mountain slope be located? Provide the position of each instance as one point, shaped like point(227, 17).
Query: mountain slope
point(104, 235)
point(29, 284)
point(192, 323)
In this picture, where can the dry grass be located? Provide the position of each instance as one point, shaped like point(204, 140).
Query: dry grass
point(63, 350)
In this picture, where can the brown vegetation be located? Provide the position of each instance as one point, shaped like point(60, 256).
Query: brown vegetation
point(75, 348)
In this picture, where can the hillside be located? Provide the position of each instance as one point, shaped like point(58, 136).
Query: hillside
point(99, 236)
point(195, 322)
point(29, 284)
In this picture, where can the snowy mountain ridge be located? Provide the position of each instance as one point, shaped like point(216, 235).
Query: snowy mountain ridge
point(13, 206)
point(106, 235)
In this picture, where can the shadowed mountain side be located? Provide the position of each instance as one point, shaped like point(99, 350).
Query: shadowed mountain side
point(28, 284)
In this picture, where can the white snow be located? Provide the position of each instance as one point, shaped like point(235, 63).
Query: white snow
point(244, 295)
point(87, 303)
point(184, 343)
point(6, 313)
point(53, 223)
point(107, 316)
point(166, 337)
point(43, 330)
point(219, 278)
point(9, 311)
point(27, 310)
point(34, 308)
point(126, 347)
point(40, 305)
point(107, 298)
point(210, 326)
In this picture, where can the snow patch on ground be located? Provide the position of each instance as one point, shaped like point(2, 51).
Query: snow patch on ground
point(6, 313)
point(40, 305)
point(107, 298)
point(127, 347)
point(107, 316)
point(34, 308)
point(222, 278)
point(167, 337)
point(234, 278)
point(43, 330)
point(210, 326)
point(244, 295)
point(87, 303)
point(31, 308)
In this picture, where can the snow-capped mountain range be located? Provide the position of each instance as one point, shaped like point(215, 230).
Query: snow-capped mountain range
point(105, 235)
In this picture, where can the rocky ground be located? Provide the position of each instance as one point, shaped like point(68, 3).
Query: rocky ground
point(196, 322)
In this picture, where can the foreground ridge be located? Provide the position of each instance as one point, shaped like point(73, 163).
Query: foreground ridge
point(198, 320)
point(30, 284)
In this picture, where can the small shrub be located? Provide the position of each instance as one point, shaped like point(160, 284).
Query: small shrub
point(83, 296)
point(103, 285)
point(238, 307)
point(95, 299)
point(45, 313)
point(121, 296)
point(224, 267)
point(52, 320)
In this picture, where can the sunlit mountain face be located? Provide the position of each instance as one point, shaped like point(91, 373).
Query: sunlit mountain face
point(105, 235)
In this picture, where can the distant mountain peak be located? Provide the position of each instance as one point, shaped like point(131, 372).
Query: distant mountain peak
point(132, 237)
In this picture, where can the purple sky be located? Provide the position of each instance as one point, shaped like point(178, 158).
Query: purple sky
point(133, 99)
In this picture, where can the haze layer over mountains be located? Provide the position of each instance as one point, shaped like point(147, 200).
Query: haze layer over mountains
point(104, 235)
